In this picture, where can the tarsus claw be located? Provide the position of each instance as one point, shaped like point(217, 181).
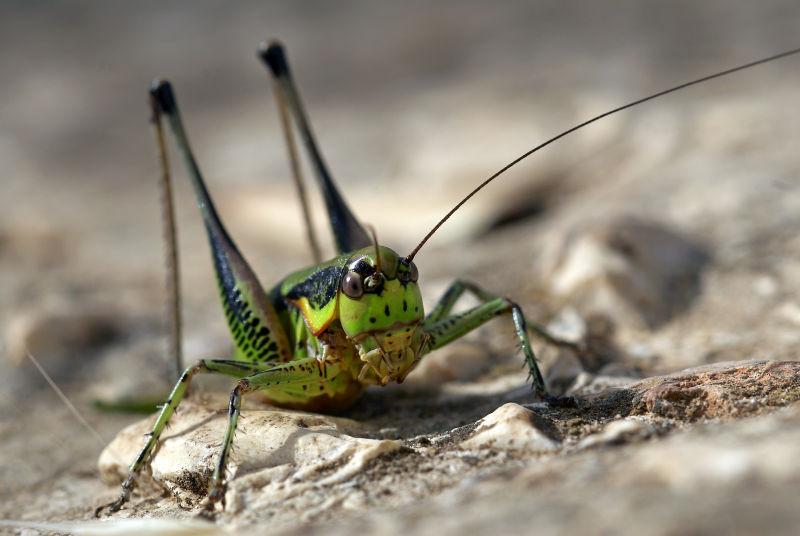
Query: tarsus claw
point(127, 488)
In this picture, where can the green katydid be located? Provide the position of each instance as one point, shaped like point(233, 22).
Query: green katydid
point(319, 336)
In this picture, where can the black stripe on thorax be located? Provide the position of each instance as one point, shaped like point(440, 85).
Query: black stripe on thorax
point(319, 288)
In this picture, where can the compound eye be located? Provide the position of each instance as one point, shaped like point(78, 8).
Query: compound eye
point(414, 272)
point(352, 285)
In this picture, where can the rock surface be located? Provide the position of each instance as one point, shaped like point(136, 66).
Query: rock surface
point(717, 478)
point(661, 239)
point(288, 450)
point(289, 464)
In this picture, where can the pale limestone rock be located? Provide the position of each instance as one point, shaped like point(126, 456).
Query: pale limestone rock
point(733, 477)
point(511, 427)
point(282, 450)
point(720, 456)
point(620, 431)
point(587, 383)
point(119, 527)
point(719, 163)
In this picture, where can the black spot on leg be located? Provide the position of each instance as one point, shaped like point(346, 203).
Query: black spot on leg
point(387, 311)
point(372, 320)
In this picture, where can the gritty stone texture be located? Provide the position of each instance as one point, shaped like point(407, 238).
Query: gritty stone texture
point(290, 464)
point(287, 450)
point(733, 477)
point(511, 428)
point(661, 239)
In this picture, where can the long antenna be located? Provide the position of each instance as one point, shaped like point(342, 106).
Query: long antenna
point(173, 283)
point(587, 122)
point(71, 407)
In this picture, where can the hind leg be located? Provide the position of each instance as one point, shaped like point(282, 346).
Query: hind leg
point(237, 369)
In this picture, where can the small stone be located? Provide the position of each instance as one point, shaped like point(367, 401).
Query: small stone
point(765, 286)
point(568, 325)
point(641, 351)
point(587, 383)
point(619, 431)
point(718, 391)
point(512, 427)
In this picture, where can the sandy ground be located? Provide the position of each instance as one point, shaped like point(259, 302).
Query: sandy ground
point(673, 227)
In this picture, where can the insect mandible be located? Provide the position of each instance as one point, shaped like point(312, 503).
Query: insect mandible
point(319, 336)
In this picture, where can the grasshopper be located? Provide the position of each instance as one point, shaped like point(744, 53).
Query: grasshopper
point(319, 336)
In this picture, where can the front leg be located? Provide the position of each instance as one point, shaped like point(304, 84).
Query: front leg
point(448, 300)
point(442, 328)
point(457, 289)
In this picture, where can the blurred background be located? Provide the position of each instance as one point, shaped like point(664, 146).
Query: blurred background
point(413, 103)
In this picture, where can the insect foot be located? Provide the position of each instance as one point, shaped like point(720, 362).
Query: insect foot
point(216, 496)
point(127, 487)
point(563, 401)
